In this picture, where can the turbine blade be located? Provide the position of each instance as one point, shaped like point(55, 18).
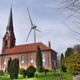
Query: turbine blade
point(29, 34)
point(38, 30)
point(30, 18)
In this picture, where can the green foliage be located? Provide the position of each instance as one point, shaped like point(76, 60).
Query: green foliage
point(68, 52)
point(63, 68)
point(73, 63)
point(23, 72)
point(62, 59)
point(15, 64)
point(1, 73)
point(31, 71)
point(9, 66)
point(39, 66)
point(13, 68)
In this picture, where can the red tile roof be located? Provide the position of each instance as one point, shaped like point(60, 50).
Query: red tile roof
point(26, 48)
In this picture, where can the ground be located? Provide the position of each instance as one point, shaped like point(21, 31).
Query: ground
point(41, 76)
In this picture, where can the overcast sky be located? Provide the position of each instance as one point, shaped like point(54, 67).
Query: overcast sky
point(47, 18)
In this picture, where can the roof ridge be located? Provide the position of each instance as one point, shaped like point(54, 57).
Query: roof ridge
point(28, 44)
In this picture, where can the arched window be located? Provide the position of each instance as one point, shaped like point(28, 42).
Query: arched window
point(44, 59)
point(5, 62)
point(22, 59)
point(31, 59)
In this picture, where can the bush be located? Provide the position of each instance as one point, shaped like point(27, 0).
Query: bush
point(21, 71)
point(64, 69)
point(31, 71)
point(1, 73)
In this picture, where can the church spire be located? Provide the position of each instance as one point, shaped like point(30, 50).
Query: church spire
point(9, 37)
point(10, 21)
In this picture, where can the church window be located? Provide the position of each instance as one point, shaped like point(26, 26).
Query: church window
point(5, 62)
point(43, 59)
point(31, 59)
point(22, 59)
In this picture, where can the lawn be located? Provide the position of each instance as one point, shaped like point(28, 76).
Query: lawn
point(41, 76)
point(52, 76)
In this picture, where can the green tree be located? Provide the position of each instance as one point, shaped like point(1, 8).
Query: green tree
point(62, 59)
point(8, 65)
point(73, 63)
point(39, 66)
point(68, 52)
point(13, 68)
point(16, 67)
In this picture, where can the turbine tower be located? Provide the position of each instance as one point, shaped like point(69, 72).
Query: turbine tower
point(33, 27)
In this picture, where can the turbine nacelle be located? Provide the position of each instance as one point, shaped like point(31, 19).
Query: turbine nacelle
point(34, 27)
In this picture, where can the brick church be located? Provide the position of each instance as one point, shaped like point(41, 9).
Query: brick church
point(26, 53)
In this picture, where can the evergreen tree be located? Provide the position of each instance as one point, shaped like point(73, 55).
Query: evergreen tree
point(13, 68)
point(9, 66)
point(16, 67)
point(39, 66)
point(62, 59)
point(68, 52)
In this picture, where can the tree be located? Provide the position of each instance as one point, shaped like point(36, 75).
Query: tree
point(16, 67)
point(73, 5)
point(39, 66)
point(13, 68)
point(68, 52)
point(73, 63)
point(62, 59)
point(8, 65)
point(72, 8)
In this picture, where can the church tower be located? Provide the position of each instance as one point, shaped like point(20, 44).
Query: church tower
point(9, 37)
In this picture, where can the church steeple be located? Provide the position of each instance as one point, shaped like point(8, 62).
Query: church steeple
point(10, 22)
point(9, 37)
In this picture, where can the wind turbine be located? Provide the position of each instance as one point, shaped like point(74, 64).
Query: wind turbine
point(33, 27)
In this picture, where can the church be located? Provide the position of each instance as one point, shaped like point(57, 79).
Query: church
point(26, 53)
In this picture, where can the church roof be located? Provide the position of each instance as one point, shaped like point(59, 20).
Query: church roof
point(26, 48)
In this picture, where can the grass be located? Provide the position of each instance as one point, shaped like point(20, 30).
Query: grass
point(52, 76)
point(41, 76)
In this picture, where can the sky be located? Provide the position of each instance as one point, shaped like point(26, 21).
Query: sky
point(48, 17)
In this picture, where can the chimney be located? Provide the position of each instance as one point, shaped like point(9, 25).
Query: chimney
point(49, 44)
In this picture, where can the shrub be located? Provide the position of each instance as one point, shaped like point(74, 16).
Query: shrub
point(1, 73)
point(31, 71)
point(21, 71)
point(64, 69)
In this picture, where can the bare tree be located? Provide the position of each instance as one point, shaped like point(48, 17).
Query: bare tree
point(73, 6)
